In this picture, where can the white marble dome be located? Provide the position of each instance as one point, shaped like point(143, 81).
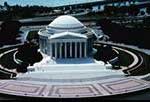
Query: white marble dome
point(65, 23)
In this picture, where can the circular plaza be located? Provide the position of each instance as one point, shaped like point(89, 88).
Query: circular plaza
point(74, 64)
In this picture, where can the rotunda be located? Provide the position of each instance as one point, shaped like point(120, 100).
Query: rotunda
point(66, 37)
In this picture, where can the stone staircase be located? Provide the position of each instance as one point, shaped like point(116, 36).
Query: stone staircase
point(70, 71)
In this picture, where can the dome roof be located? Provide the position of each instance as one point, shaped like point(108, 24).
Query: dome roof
point(65, 22)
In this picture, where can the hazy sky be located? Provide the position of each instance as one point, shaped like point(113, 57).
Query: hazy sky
point(2, 1)
point(44, 2)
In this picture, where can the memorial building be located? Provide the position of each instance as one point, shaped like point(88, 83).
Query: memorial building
point(67, 49)
point(66, 37)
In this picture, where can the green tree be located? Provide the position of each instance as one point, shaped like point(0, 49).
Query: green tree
point(7, 6)
point(28, 53)
point(133, 10)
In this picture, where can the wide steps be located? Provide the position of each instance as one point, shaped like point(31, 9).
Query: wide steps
point(71, 74)
point(71, 67)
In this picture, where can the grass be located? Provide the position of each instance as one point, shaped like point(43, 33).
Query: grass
point(143, 68)
point(146, 62)
point(125, 58)
point(7, 61)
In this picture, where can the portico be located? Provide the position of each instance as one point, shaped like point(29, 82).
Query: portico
point(68, 45)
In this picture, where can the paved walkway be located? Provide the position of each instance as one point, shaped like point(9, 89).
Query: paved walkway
point(75, 90)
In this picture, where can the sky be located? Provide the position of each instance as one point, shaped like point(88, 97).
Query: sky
point(44, 2)
point(1, 2)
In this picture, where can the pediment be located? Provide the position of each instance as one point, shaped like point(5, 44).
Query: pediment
point(68, 35)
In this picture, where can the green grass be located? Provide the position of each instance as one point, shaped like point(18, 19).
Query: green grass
point(7, 61)
point(125, 58)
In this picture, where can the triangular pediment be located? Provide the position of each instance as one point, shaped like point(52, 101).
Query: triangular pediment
point(68, 35)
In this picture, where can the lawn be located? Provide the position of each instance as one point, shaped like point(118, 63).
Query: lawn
point(124, 58)
point(7, 61)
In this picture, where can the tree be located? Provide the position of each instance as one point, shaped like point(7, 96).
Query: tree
point(123, 10)
point(148, 10)
point(110, 10)
point(7, 6)
point(32, 35)
point(28, 53)
point(9, 31)
point(133, 10)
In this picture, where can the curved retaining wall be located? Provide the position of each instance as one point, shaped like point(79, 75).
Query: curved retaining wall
point(142, 66)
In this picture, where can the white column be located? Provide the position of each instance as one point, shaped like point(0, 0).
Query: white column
point(60, 50)
point(85, 48)
point(75, 49)
point(70, 49)
point(43, 46)
point(46, 49)
point(50, 49)
point(65, 49)
point(80, 49)
point(55, 50)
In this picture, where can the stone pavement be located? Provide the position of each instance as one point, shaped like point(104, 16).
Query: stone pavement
point(72, 90)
